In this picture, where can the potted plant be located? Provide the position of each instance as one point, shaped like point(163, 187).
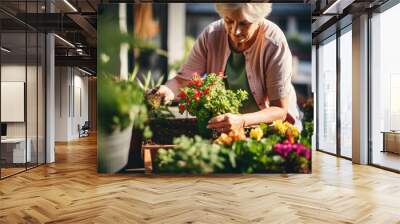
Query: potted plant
point(120, 108)
point(207, 97)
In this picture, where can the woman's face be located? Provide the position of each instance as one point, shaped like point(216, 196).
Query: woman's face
point(239, 29)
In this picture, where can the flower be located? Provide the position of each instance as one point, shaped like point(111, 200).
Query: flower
point(279, 127)
point(198, 82)
point(224, 139)
point(197, 95)
point(182, 95)
point(181, 108)
point(307, 153)
point(256, 133)
point(284, 149)
point(206, 91)
point(237, 134)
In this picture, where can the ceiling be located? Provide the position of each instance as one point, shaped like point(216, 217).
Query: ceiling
point(76, 20)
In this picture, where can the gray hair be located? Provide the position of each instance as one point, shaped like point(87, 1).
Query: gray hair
point(253, 12)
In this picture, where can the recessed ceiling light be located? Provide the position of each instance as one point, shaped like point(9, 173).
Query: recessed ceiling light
point(84, 71)
point(70, 5)
point(65, 41)
point(5, 50)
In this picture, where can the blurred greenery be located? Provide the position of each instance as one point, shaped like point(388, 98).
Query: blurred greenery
point(120, 104)
point(195, 156)
point(298, 45)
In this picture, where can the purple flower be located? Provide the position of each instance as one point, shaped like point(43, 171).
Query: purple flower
point(307, 153)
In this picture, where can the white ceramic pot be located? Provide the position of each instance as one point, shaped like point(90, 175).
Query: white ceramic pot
point(113, 150)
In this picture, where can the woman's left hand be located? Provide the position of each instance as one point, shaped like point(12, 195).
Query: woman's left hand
point(226, 122)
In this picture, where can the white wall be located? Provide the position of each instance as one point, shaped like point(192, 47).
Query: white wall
point(71, 87)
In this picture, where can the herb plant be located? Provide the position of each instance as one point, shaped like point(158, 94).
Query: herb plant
point(120, 104)
point(208, 97)
point(195, 156)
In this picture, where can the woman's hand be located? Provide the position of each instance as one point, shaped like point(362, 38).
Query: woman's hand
point(164, 92)
point(226, 122)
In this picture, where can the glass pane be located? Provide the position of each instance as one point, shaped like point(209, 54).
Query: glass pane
point(327, 96)
point(41, 98)
point(385, 86)
point(346, 94)
point(14, 153)
point(31, 97)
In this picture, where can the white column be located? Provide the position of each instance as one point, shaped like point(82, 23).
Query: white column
point(124, 48)
point(292, 25)
point(50, 99)
point(360, 90)
point(314, 91)
point(176, 33)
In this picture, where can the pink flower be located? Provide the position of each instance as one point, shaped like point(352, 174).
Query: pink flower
point(307, 153)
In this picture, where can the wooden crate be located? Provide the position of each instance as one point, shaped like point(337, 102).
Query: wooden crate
point(149, 153)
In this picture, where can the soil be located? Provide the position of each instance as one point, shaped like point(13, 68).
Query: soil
point(164, 130)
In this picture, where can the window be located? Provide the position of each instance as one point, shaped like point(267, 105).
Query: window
point(327, 95)
point(346, 93)
point(385, 89)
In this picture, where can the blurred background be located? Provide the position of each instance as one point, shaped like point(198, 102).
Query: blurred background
point(164, 34)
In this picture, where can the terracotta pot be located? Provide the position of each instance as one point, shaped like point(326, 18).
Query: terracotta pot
point(113, 150)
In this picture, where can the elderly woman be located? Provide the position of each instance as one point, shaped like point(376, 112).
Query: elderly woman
point(254, 55)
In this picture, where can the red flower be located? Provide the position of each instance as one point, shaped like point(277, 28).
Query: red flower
point(198, 82)
point(197, 95)
point(206, 91)
point(181, 108)
point(182, 95)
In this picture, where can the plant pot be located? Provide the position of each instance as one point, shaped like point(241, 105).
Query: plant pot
point(114, 150)
point(202, 128)
point(164, 130)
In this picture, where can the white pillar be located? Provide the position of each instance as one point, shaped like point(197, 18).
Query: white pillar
point(314, 91)
point(360, 90)
point(176, 33)
point(292, 25)
point(50, 99)
point(124, 48)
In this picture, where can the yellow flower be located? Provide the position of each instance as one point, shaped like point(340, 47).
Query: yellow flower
point(295, 131)
point(224, 139)
point(256, 133)
point(280, 127)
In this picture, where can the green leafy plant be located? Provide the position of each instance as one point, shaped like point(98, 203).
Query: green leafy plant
point(155, 105)
point(264, 152)
point(308, 123)
point(195, 156)
point(120, 104)
point(208, 97)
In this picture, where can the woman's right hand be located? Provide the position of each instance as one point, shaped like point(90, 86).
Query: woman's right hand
point(164, 92)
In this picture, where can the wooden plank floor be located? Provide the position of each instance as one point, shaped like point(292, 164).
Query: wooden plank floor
point(70, 191)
